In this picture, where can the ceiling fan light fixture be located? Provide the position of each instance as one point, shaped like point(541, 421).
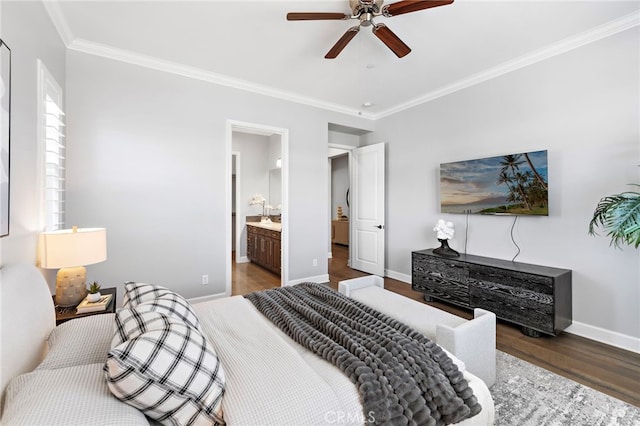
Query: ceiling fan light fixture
point(366, 19)
point(365, 11)
point(359, 6)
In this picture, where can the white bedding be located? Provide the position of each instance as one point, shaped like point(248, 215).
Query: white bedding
point(270, 378)
point(69, 396)
point(273, 380)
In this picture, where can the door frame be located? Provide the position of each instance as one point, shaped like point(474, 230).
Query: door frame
point(238, 162)
point(245, 127)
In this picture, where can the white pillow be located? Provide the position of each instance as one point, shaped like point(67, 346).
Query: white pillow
point(72, 396)
point(164, 300)
point(165, 368)
point(79, 341)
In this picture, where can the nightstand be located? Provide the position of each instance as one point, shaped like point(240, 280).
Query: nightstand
point(66, 314)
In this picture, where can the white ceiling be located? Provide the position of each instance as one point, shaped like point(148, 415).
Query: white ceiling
point(250, 44)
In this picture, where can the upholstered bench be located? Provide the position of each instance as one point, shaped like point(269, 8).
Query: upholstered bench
point(471, 341)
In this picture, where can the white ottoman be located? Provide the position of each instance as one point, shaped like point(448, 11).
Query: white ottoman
point(472, 341)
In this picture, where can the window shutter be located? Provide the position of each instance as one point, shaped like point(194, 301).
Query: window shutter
point(53, 146)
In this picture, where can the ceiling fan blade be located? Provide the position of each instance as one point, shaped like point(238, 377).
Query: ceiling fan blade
point(342, 43)
point(315, 16)
point(392, 41)
point(407, 6)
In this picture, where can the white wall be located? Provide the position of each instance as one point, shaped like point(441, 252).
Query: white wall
point(29, 33)
point(341, 138)
point(146, 161)
point(583, 106)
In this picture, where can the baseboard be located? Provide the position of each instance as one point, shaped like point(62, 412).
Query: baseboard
point(317, 279)
point(207, 298)
point(242, 259)
point(598, 334)
point(607, 337)
point(397, 276)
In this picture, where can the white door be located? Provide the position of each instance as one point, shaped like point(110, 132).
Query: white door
point(367, 209)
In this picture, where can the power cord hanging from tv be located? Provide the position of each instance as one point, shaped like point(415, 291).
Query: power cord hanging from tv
point(466, 232)
point(515, 219)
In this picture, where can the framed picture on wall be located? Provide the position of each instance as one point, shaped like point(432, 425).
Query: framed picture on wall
point(5, 125)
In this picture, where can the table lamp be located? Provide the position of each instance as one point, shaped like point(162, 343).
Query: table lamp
point(70, 250)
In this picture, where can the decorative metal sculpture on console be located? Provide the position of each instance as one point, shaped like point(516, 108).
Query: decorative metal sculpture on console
point(445, 232)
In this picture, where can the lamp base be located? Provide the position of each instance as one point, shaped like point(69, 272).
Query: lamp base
point(71, 286)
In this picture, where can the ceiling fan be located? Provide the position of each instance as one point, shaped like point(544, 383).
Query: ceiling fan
point(365, 11)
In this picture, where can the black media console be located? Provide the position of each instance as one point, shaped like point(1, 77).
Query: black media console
point(536, 297)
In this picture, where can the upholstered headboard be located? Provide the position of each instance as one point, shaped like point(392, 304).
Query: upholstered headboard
point(27, 316)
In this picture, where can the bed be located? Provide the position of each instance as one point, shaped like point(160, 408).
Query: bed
point(268, 378)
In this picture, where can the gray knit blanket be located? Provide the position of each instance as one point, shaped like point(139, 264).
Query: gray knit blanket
point(403, 377)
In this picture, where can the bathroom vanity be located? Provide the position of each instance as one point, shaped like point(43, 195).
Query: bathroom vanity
point(264, 245)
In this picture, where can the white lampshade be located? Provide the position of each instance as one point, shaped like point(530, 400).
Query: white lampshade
point(69, 250)
point(72, 247)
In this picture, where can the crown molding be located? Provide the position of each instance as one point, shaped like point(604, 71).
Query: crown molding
point(59, 21)
point(134, 58)
point(570, 43)
point(597, 33)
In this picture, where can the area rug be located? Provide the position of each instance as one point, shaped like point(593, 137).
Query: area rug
point(527, 395)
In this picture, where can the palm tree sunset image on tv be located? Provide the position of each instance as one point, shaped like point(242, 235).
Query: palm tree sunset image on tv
point(515, 184)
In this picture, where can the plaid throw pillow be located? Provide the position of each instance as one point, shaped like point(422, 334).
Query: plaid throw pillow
point(165, 368)
point(163, 300)
point(136, 293)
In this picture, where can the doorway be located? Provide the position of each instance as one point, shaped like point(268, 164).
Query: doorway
point(339, 204)
point(366, 218)
point(246, 179)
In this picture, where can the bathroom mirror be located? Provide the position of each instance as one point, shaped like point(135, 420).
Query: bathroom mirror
point(275, 189)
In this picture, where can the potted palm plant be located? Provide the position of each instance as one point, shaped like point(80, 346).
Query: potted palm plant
point(619, 216)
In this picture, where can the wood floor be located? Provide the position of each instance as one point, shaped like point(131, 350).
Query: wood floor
point(608, 369)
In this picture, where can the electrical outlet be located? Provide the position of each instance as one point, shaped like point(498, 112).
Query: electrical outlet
point(315, 262)
point(205, 279)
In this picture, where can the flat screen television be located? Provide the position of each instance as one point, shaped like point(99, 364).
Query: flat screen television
point(514, 184)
